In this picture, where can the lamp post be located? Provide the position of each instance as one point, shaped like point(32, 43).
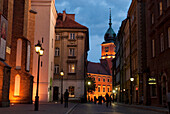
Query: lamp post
point(39, 50)
point(131, 80)
point(61, 74)
point(89, 83)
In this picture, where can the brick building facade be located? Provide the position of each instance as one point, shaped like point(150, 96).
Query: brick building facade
point(158, 52)
point(6, 14)
point(22, 47)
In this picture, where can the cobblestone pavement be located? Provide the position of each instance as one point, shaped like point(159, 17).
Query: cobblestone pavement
point(48, 108)
point(114, 109)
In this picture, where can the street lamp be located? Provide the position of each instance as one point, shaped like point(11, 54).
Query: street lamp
point(39, 50)
point(61, 74)
point(89, 83)
point(131, 80)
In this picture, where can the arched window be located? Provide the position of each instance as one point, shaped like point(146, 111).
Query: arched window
point(19, 54)
point(17, 85)
point(57, 51)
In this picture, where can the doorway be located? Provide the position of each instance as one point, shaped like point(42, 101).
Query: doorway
point(55, 93)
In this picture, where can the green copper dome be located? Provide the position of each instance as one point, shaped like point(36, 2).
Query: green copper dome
point(110, 35)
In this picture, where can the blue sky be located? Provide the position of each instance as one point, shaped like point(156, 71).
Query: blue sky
point(94, 14)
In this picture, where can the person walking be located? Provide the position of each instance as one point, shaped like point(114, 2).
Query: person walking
point(107, 99)
point(110, 100)
point(66, 95)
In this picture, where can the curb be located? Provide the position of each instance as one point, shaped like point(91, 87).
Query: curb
point(71, 109)
point(145, 108)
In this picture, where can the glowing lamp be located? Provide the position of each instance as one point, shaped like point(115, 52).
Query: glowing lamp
point(62, 73)
point(131, 79)
point(38, 47)
point(89, 83)
point(116, 88)
point(41, 51)
point(114, 91)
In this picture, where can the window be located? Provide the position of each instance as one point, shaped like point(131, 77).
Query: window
point(153, 90)
point(99, 79)
point(168, 3)
point(57, 37)
point(160, 8)
point(98, 88)
point(71, 91)
point(153, 48)
point(108, 80)
point(108, 89)
point(106, 49)
point(17, 85)
point(57, 52)
point(162, 42)
point(19, 54)
point(71, 52)
point(42, 39)
point(152, 18)
point(71, 68)
point(169, 37)
point(103, 88)
point(52, 43)
point(72, 36)
point(103, 79)
point(28, 56)
point(56, 69)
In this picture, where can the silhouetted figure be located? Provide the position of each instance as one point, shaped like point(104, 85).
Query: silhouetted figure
point(110, 100)
point(94, 99)
point(107, 99)
point(100, 99)
point(66, 95)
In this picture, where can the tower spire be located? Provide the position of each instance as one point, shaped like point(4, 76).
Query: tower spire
point(110, 19)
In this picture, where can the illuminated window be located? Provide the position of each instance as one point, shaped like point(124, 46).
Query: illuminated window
point(153, 48)
point(57, 37)
point(17, 85)
point(57, 51)
point(71, 68)
point(106, 49)
point(71, 52)
point(169, 37)
point(71, 91)
point(19, 54)
point(160, 8)
point(72, 36)
point(162, 42)
point(108, 80)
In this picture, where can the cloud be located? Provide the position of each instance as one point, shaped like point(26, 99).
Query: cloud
point(95, 15)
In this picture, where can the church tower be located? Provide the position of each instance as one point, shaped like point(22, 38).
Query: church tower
point(108, 47)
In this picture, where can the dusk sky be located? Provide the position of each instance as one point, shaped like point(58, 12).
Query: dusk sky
point(94, 14)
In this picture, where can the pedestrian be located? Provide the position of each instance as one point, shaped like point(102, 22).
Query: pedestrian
point(110, 100)
point(94, 99)
point(100, 99)
point(66, 95)
point(107, 99)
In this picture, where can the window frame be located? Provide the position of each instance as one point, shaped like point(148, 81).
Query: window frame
point(72, 36)
point(71, 51)
point(70, 65)
point(57, 52)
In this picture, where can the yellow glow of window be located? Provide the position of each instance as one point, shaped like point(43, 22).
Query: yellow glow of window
point(17, 86)
point(103, 57)
point(109, 56)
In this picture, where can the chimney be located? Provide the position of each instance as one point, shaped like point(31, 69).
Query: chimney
point(64, 15)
